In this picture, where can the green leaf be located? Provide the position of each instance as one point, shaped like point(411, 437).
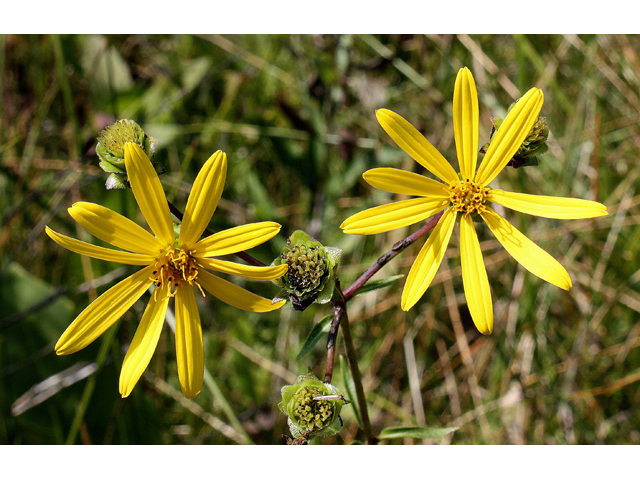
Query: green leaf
point(376, 284)
point(318, 331)
point(415, 432)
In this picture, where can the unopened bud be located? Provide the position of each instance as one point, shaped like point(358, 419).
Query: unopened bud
point(534, 144)
point(110, 149)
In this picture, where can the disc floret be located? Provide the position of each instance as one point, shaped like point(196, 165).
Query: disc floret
point(468, 197)
point(312, 407)
point(174, 267)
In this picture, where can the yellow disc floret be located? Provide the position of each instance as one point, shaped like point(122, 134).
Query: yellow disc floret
point(174, 267)
point(468, 197)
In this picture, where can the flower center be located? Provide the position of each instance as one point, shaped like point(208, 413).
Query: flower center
point(468, 197)
point(173, 268)
point(311, 414)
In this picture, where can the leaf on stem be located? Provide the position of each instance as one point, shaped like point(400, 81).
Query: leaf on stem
point(318, 331)
point(372, 285)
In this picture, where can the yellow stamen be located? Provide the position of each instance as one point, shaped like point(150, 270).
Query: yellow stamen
point(174, 267)
point(468, 197)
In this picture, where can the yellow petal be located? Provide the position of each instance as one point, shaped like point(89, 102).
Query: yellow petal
point(100, 253)
point(465, 122)
point(103, 312)
point(474, 277)
point(115, 229)
point(549, 207)
point(203, 199)
point(413, 142)
point(510, 135)
point(246, 271)
point(235, 296)
point(393, 215)
point(406, 183)
point(144, 341)
point(148, 191)
point(527, 253)
point(236, 239)
point(428, 260)
point(189, 347)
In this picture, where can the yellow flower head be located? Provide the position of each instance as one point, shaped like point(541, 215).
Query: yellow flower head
point(465, 196)
point(173, 265)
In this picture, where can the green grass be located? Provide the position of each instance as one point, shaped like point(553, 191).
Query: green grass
point(296, 117)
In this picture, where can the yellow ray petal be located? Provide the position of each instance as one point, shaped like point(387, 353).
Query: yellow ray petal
point(465, 122)
point(115, 229)
point(428, 260)
point(393, 215)
point(474, 277)
point(413, 142)
point(236, 239)
point(394, 180)
point(246, 271)
point(148, 191)
point(235, 296)
point(549, 207)
point(103, 312)
point(510, 135)
point(189, 347)
point(203, 199)
point(527, 253)
point(144, 341)
point(100, 253)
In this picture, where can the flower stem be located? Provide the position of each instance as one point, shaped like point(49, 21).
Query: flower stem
point(340, 309)
point(243, 255)
point(340, 313)
point(384, 259)
point(371, 271)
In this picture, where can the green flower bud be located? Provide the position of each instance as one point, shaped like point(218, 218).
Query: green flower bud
point(533, 145)
point(110, 149)
point(311, 273)
point(312, 407)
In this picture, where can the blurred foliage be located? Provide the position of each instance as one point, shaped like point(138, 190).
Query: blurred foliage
point(295, 114)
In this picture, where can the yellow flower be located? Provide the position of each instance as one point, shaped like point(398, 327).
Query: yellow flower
point(464, 197)
point(173, 265)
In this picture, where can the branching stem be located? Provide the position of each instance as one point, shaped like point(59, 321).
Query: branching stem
point(340, 317)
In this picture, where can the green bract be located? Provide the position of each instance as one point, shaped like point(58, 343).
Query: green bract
point(533, 145)
point(110, 149)
point(311, 273)
point(306, 415)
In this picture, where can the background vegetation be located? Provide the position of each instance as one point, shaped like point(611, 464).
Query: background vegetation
point(295, 115)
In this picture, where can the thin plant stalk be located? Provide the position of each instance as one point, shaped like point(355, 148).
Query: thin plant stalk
point(340, 307)
point(350, 292)
point(384, 259)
